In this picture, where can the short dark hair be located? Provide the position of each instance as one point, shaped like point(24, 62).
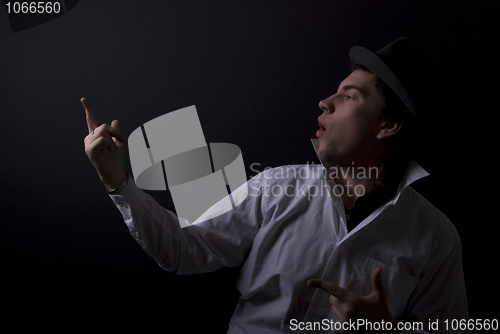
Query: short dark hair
point(393, 108)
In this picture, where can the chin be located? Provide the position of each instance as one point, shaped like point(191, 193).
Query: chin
point(324, 158)
point(320, 154)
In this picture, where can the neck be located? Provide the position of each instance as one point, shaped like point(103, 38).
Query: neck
point(355, 180)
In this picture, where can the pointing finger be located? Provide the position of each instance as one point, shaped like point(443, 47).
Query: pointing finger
point(331, 288)
point(89, 111)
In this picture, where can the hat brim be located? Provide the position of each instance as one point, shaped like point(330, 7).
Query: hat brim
point(369, 60)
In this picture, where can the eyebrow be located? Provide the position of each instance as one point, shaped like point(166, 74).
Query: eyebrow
point(348, 87)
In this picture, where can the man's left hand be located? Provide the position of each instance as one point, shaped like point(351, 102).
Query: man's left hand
point(347, 305)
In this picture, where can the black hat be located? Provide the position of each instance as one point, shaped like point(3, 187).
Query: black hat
point(414, 78)
point(407, 70)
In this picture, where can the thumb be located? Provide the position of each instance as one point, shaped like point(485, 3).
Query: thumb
point(377, 284)
point(116, 124)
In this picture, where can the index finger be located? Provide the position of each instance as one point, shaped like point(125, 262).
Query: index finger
point(89, 111)
point(331, 288)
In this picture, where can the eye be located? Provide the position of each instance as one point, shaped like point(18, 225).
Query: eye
point(348, 97)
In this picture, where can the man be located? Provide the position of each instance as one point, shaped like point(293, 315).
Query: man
point(381, 256)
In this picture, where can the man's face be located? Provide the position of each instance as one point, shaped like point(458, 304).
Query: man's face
point(350, 121)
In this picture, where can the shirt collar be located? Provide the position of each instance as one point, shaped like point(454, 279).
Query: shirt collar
point(413, 171)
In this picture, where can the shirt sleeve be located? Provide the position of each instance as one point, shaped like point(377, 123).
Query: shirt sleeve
point(207, 246)
point(440, 295)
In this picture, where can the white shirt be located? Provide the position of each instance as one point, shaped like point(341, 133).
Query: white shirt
point(286, 238)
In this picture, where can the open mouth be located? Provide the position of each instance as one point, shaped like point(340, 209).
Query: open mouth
point(321, 128)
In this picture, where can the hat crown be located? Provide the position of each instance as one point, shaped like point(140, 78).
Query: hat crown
point(416, 71)
point(408, 71)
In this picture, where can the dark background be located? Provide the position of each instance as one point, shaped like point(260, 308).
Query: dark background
point(256, 71)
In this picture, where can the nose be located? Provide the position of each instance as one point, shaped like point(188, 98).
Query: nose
point(327, 105)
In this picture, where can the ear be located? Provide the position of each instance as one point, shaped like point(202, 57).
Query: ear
point(389, 127)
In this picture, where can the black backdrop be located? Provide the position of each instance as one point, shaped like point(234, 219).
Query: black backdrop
point(256, 71)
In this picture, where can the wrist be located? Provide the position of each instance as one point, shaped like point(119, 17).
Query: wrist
point(117, 181)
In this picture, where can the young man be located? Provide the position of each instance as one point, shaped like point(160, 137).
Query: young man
point(379, 254)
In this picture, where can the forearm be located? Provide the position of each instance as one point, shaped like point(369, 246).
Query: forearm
point(152, 226)
point(197, 248)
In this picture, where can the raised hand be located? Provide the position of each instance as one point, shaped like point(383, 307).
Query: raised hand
point(347, 305)
point(104, 146)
